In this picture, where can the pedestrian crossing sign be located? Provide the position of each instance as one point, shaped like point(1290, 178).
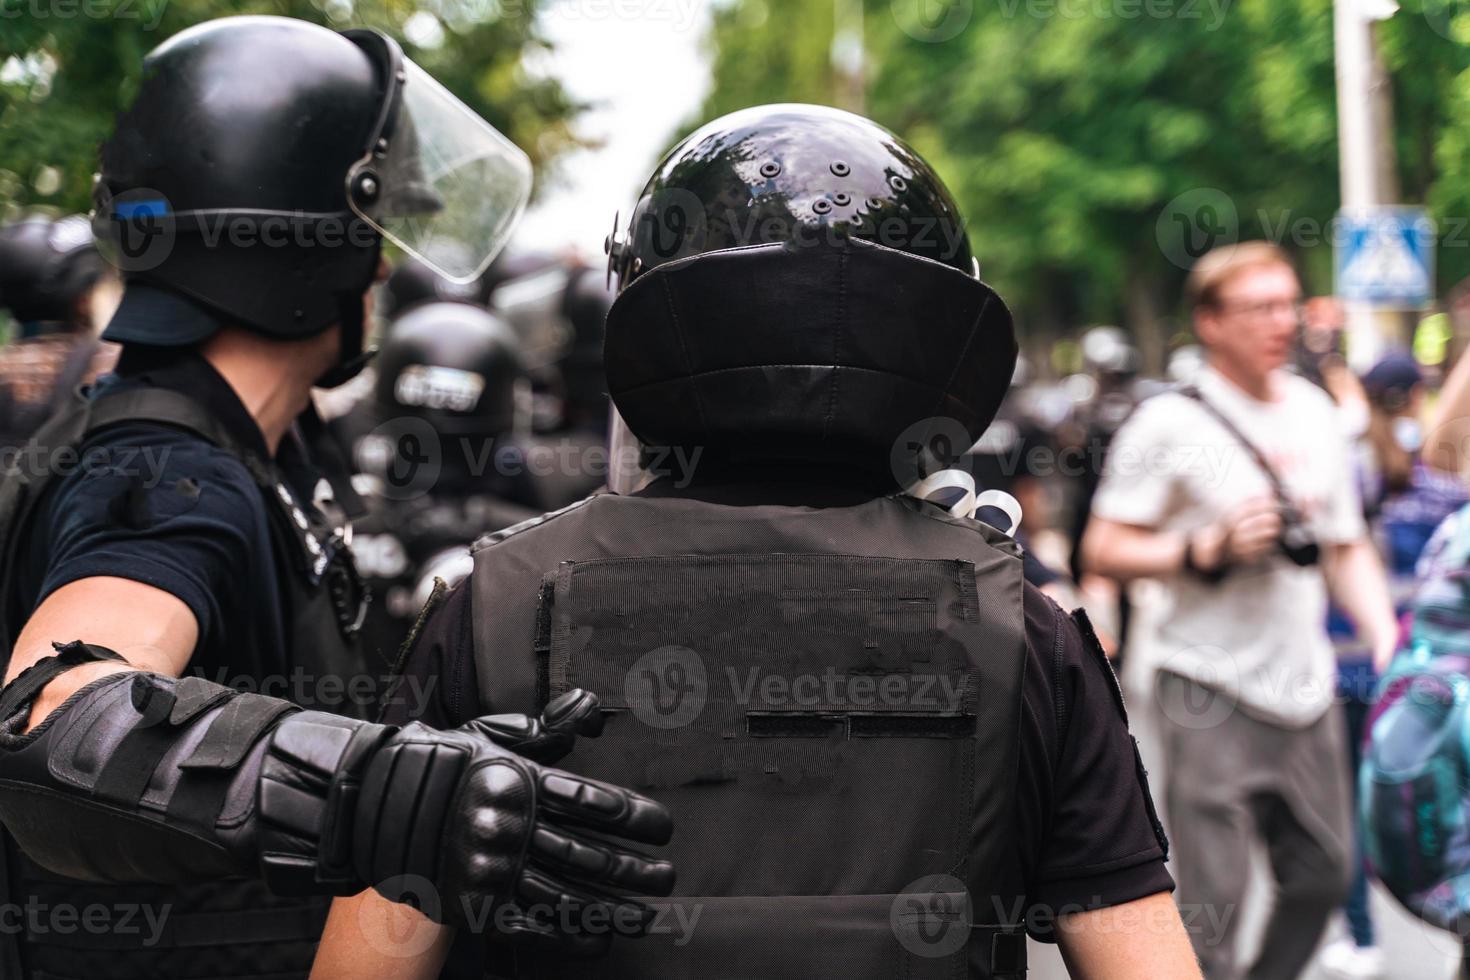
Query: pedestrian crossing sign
point(1385, 257)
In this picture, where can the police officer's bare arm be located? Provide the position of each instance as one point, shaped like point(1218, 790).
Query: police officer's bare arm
point(1140, 939)
point(156, 634)
point(152, 629)
point(368, 936)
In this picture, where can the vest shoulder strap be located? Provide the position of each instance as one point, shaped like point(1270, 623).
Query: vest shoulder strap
point(160, 405)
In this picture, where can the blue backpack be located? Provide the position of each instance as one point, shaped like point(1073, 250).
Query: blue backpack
point(1415, 778)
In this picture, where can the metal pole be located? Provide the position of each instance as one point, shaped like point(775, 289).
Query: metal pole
point(1361, 157)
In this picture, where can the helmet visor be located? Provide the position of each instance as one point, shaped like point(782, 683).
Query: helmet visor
point(444, 186)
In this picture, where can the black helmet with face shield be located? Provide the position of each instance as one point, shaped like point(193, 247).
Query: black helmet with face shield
point(265, 159)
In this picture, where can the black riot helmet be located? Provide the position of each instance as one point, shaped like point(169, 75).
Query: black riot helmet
point(265, 158)
point(797, 284)
point(454, 365)
point(46, 267)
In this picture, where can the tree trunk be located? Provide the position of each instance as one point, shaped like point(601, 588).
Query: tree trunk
point(1142, 305)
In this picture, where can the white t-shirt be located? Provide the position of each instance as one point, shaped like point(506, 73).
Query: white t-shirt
point(1260, 634)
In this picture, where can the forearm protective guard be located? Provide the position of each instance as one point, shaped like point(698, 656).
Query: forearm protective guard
point(143, 777)
point(140, 777)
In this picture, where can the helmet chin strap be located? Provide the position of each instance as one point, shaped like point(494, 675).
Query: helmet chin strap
point(324, 449)
point(344, 371)
point(352, 356)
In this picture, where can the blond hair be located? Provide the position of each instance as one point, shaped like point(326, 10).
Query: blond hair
point(1219, 265)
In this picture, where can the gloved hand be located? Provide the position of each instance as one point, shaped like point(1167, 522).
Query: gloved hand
point(546, 740)
point(477, 834)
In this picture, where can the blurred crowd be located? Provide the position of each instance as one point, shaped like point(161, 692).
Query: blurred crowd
point(1270, 544)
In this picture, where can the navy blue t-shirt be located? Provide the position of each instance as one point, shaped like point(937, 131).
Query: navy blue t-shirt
point(160, 505)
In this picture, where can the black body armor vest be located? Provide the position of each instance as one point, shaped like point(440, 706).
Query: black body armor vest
point(826, 698)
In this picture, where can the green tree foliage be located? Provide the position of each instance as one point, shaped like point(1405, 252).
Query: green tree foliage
point(1067, 127)
point(68, 66)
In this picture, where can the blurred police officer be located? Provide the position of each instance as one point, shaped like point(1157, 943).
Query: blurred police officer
point(351, 410)
point(50, 271)
point(1014, 456)
point(1111, 361)
point(557, 308)
point(884, 750)
point(443, 460)
point(246, 192)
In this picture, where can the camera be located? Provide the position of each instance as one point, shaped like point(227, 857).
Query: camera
point(1297, 542)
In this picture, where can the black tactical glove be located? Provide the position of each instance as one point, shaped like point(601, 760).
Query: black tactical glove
point(165, 779)
point(547, 740)
point(492, 833)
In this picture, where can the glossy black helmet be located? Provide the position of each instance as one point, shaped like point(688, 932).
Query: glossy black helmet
point(782, 173)
point(797, 283)
point(46, 267)
point(263, 161)
point(456, 366)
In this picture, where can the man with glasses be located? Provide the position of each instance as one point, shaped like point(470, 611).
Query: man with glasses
point(1237, 495)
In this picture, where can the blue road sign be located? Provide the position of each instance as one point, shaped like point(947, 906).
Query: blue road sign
point(1385, 257)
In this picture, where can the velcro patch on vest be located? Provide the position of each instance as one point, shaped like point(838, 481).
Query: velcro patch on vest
point(802, 646)
point(833, 725)
point(782, 685)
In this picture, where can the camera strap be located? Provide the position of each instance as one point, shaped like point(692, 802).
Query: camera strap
point(1278, 488)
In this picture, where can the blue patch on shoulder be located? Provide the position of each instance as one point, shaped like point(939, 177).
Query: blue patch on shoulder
point(140, 209)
